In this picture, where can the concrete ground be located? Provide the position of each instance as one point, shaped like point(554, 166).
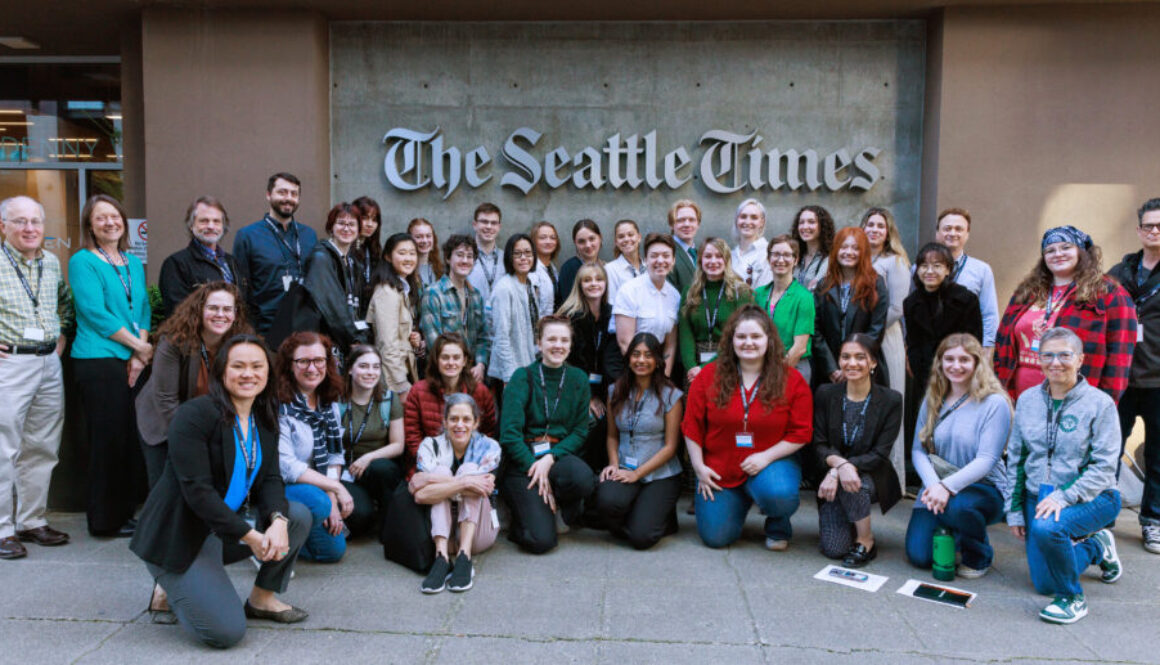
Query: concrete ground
point(592, 601)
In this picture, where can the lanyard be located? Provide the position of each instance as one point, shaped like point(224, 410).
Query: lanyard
point(533, 307)
point(367, 264)
point(1053, 419)
point(127, 280)
point(220, 262)
point(248, 443)
point(34, 297)
point(205, 359)
point(362, 426)
point(637, 407)
point(848, 437)
point(489, 275)
point(552, 275)
point(347, 276)
point(1052, 304)
point(295, 251)
point(711, 322)
point(844, 293)
point(1141, 278)
point(947, 414)
point(544, 391)
point(747, 400)
point(959, 265)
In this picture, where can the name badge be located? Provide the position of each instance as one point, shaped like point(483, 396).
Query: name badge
point(34, 334)
point(1035, 345)
point(595, 378)
point(287, 280)
point(744, 439)
point(541, 448)
point(630, 463)
point(704, 357)
point(495, 519)
point(1140, 333)
point(361, 325)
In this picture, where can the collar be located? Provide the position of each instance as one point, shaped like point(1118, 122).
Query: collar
point(681, 244)
point(16, 254)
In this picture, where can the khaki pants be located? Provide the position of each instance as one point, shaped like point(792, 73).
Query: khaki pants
point(31, 418)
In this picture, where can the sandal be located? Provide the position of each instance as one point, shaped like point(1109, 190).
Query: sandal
point(164, 617)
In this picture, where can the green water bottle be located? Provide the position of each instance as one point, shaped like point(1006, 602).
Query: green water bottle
point(943, 555)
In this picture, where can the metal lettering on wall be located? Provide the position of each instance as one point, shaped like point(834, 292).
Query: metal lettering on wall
point(730, 163)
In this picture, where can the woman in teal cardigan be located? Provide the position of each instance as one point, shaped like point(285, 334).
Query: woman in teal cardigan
point(111, 350)
point(715, 292)
point(789, 304)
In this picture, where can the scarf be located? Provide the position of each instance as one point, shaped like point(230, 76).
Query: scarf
point(323, 424)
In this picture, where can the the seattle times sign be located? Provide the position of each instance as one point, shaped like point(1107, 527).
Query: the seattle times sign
point(728, 162)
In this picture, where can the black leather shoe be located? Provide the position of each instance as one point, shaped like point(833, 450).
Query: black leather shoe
point(44, 536)
point(859, 556)
point(10, 548)
point(292, 615)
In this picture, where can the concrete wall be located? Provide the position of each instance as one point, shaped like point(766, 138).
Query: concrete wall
point(230, 98)
point(821, 85)
point(1048, 117)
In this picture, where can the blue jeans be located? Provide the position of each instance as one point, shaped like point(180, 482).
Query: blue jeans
point(320, 546)
point(774, 490)
point(967, 515)
point(1144, 402)
point(1053, 559)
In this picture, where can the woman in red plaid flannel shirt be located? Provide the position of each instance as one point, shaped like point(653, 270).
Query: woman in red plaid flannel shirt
point(1067, 288)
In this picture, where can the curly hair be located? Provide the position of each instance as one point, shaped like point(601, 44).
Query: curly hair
point(983, 383)
point(329, 391)
point(825, 230)
point(773, 371)
point(1090, 283)
point(735, 288)
point(865, 278)
point(183, 328)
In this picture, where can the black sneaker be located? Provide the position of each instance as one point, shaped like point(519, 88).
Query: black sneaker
point(436, 580)
point(462, 575)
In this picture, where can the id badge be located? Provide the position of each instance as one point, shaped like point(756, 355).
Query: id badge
point(1139, 333)
point(1035, 345)
point(541, 448)
point(595, 378)
point(630, 463)
point(287, 280)
point(744, 439)
point(250, 516)
point(361, 325)
point(34, 334)
point(704, 357)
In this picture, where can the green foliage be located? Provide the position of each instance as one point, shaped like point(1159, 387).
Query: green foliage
point(155, 305)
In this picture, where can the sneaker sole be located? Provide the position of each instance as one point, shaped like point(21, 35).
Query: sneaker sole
point(461, 589)
point(439, 590)
point(1114, 557)
point(973, 575)
point(1049, 618)
point(1154, 549)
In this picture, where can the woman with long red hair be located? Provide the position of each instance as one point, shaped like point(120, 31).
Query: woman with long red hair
point(851, 298)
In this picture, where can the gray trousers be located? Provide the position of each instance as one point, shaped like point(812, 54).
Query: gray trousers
point(836, 518)
point(203, 597)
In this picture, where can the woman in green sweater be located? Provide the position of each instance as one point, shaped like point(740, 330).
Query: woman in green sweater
point(789, 304)
point(542, 430)
point(716, 291)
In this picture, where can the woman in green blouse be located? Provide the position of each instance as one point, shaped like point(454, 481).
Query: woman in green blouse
point(716, 291)
point(789, 304)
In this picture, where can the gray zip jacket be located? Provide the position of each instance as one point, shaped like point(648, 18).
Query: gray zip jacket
point(1083, 463)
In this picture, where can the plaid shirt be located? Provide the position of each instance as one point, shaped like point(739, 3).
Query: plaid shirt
point(1107, 329)
point(441, 312)
point(55, 312)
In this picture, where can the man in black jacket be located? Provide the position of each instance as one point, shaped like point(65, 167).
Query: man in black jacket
point(203, 260)
point(1137, 273)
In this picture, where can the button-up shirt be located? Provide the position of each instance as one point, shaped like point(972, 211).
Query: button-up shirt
point(267, 253)
point(54, 309)
point(442, 311)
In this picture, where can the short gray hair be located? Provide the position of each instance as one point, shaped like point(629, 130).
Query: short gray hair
point(1064, 334)
point(455, 399)
point(9, 202)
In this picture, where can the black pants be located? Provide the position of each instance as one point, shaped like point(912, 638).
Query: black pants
point(155, 458)
point(406, 532)
point(116, 472)
point(1144, 402)
point(372, 493)
point(533, 525)
point(642, 513)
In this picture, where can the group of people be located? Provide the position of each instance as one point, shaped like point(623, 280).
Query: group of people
point(301, 392)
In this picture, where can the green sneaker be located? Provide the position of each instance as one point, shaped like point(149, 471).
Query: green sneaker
point(1065, 609)
point(1110, 561)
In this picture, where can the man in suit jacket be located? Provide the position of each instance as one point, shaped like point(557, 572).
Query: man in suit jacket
point(685, 221)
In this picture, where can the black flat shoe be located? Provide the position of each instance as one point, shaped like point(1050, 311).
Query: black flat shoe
point(162, 617)
point(292, 615)
point(859, 556)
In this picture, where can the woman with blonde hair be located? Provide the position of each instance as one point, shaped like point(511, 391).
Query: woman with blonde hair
point(714, 294)
point(749, 261)
point(427, 243)
point(964, 422)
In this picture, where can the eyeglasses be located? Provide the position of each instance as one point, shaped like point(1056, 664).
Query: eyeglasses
point(303, 363)
point(345, 224)
point(781, 255)
point(931, 267)
point(21, 222)
point(1150, 228)
point(469, 256)
point(1048, 357)
point(522, 255)
point(218, 309)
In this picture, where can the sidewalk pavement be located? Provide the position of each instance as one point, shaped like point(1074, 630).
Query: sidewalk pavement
point(592, 600)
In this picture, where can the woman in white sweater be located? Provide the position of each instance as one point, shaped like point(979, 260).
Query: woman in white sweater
point(514, 310)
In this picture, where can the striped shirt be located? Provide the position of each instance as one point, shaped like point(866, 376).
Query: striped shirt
point(54, 309)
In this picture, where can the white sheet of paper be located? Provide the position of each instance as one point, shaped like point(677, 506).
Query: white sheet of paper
point(873, 582)
point(907, 589)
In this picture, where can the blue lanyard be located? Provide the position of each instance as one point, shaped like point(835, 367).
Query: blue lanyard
point(248, 443)
point(959, 265)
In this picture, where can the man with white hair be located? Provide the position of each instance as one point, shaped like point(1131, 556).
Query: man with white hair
point(204, 260)
point(35, 311)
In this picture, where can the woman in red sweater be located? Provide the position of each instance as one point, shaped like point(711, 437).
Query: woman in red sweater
point(447, 372)
point(747, 417)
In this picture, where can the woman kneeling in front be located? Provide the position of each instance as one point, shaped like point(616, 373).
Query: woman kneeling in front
point(457, 468)
point(1061, 478)
point(747, 417)
point(223, 461)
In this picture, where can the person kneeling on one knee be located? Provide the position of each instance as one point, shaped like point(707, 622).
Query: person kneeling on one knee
point(456, 474)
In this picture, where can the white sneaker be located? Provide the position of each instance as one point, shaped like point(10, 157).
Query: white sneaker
point(776, 544)
point(1152, 538)
point(968, 573)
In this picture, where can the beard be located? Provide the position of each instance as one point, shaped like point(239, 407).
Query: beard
point(284, 209)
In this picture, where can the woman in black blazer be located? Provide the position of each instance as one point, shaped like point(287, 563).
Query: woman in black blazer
point(855, 425)
point(850, 299)
point(221, 473)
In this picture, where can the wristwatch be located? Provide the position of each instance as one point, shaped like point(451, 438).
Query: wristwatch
point(277, 515)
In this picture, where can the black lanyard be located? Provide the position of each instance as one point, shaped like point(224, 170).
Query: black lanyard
point(637, 407)
point(251, 439)
point(367, 264)
point(711, 322)
point(205, 359)
point(1142, 278)
point(959, 265)
point(296, 250)
point(1051, 304)
point(747, 400)
point(544, 391)
point(362, 426)
point(489, 276)
point(33, 296)
point(127, 280)
point(533, 307)
point(849, 438)
point(1053, 419)
point(947, 414)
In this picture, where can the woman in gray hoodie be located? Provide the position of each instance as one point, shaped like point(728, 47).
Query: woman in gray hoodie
point(1061, 478)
